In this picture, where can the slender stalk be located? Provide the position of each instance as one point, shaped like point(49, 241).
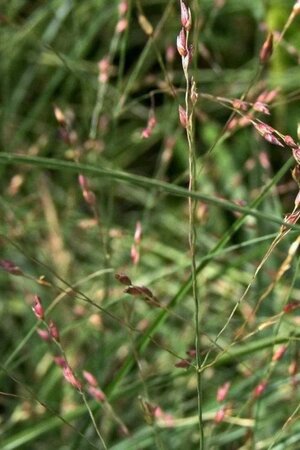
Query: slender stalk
point(187, 119)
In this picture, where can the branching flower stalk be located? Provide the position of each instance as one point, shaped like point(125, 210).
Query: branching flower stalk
point(186, 116)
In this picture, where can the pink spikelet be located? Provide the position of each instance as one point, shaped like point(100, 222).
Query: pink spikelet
point(97, 394)
point(186, 16)
point(10, 267)
point(260, 389)
point(220, 415)
point(147, 132)
point(89, 377)
point(43, 334)
point(266, 50)
point(123, 279)
point(183, 118)
point(37, 308)
point(223, 392)
point(70, 377)
point(181, 42)
point(279, 353)
point(53, 331)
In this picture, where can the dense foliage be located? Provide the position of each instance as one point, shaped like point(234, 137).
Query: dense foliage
point(98, 310)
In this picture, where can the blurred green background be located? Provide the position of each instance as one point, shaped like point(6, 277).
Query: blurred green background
point(68, 251)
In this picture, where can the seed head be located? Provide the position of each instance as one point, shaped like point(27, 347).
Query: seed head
point(279, 352)
point(261, 107)
point(186, 16)
point(10, 267)
point(220, 415)
point(266, 50)
point(183, 118)
point(182, 43)
point(183, 364)
point(260, 388)
point(53, 331)
point(123, 7)
point(43, 334)
point(97, 394)
point(124, 279)
point(70, 377)
point(292, 306)
point(223, 391)
point(121, 25)
point(89, 377)
point(37, 308)
point(289, 141)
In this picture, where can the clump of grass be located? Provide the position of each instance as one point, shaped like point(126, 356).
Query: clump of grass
point(156, 215)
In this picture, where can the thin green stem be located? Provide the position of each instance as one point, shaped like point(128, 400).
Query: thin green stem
point(192, 202)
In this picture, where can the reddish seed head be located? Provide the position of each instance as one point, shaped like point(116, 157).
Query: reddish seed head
point(37, 308)
point(146, 292)
point(122, 278)
point(10, 267)
point(146, 133)
point(223, 391)
point(183, 364)
point(279, 352)
point(266, 50)
point(293, 368)
point(70, 377)
point(43, 334)
point(183, 118)
point(261, 107)
point(186, 16)
point(263, 128)
point(134, 254)
point(164, 417)
point(292, 218)
point(240, 104)
point(123, 7)
point(97, 394)
point(260, 388)
point(53, 331)
point(104, 69)
point(133, 290)
point(289, 307)
point(83, 182)
point(90, 378)
point(272, 139)
point(191, 352)
point(89, 197)
point(122, 25)
point(289, 141)
point(220, 415)
point(181, 43)
point(60, 361)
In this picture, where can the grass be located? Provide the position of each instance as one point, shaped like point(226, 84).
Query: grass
point(154, 325)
